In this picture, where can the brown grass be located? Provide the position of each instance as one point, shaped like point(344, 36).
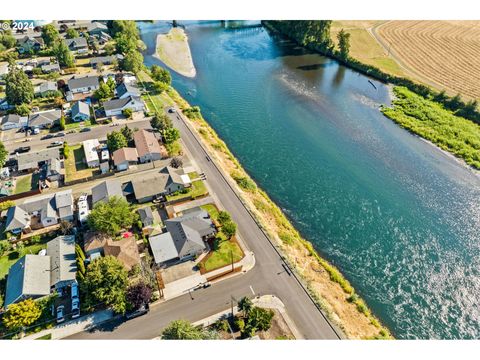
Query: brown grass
point(445, 54)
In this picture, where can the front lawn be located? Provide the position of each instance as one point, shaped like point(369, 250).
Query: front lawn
point(222, 254)
point(212, 210)
point(75, 166)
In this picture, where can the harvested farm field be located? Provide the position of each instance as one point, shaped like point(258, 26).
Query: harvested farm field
point(442, 54)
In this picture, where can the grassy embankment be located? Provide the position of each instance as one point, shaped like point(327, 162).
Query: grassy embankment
point(364, 47)
point(433, 122)
point(326, 284)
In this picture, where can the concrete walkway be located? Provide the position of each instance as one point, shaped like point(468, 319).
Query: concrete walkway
point(74, 326)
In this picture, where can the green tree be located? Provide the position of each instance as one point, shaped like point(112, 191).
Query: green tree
point(103, 92)
point(160, 122)
point(71, 33)
point(5, 245)
point(125, 27)
point(109, 48)
point(223, 217)
point(344, 43)
point(66, 150)
point(7, 40)
point(116, 140)
point(64, 55)
point(184, 330)
point(170, 135)
point(133, 61)
point(18, 88)
point(112, 216)
point(161, 74)
point(22, 314)
point(50, 35)
point(260, 318)
point(62, 123)
point(127, 133)
point(111, 84)
point(3, 158)
point(138, 295)
point(159, 87)
point(9, 203)
point(245, 305)
point(106, 282)
point(229, 228)
point(127, 113)
point(125, 44)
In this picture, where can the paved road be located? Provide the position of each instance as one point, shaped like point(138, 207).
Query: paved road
point(267, 277)
point(97, 132)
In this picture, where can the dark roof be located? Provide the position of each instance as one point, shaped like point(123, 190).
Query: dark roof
point(86, 81)
point(63, 260)
point(44, 118)
point(80, 107)
point(31, 160)
point(118, 103)
point(106, 189)
point(145, 213)
point(14, 118)
point(76, 42)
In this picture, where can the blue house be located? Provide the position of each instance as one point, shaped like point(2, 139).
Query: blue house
point(80, 111)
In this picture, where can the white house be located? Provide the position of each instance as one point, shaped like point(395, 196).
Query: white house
point(13, 121)
point(116, 106)
point(84, 84)
point(91, 155)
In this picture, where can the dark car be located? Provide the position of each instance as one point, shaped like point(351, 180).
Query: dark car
point(60, 134)
point(171, 110)
point(23, 149)
point(85, 129)
point(142, 310)
point(46, 137)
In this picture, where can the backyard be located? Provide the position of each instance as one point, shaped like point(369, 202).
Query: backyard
point(155, 102)
point(26, 183)
point(75, 166)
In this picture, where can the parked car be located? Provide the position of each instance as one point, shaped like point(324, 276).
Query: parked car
point(23, 149)
point(46, 137)
point(60, 314)
point(75, 308)
point(74, 291)
point(57, 143)
point(60, 134)
point(171, 110)
point(142, 310)
point(85, 129)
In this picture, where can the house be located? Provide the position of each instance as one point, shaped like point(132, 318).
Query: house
point(146, 216)
point(46, 89)
point(78, 45)
point(32, 161)
point(43, 211)
point(91, 155)
point(29, 277)
point(116, 106)
point(53, 169)
point(30, 43)
point(147, 145)
point(35, 276)
point(80, 111)
point(124, 157)
point(105, 190)
point(18, 220)
point(84, 84)
point(13, 121)
point(185, 237)
point(44, 119)
point(178, 180)
point(49, 68)
point(96, 28)
point(125, 249)
point(125, 90)
point(105, 60)
point(151, 186)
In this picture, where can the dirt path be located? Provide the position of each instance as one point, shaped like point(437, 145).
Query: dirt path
point(173, 50)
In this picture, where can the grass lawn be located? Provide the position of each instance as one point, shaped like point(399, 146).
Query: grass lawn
point(197, 189)
point(222, 254)
point(26, 183)
point(155, 102)
point(45, 337)
point(212, 210)
point(75, 167)
point(10, 258)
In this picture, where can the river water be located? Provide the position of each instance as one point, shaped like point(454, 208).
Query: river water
point(397, 216)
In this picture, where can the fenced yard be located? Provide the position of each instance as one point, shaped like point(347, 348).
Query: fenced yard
point(76, 167)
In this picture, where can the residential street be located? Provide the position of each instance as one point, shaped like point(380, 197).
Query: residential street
point(267, 277)
point(96, 132)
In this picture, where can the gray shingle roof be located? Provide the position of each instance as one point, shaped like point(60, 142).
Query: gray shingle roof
point(17, 218)
point(80, 107)
point(47, 86)
point(86, 81)
point(14, 118)
point(75, 43)
point(105, 190)
point(188, 230)
point(28, 277)
point(44, 118)
point(123, 88)
point(145, 214)
point(116, 104)
point(31, 160)
point(150, 186)
point(103, 59)
point(63, 260)
point(64, 198)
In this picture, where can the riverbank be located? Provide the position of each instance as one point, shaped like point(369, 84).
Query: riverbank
point(173, 50)
point(327, 286)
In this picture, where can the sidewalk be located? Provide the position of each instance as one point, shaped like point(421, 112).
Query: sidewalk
point(74, 326)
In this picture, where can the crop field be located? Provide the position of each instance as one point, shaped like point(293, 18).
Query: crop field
point(443, 54)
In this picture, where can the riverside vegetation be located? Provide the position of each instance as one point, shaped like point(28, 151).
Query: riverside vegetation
point(332, 292)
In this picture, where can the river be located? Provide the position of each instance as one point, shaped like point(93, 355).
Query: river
point(397, 216)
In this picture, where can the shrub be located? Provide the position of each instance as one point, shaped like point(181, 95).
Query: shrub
point(5, 246)
point(244, 182)
point(127, 113)
point(6, 205)
point(239, 324)
point(221, 325)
